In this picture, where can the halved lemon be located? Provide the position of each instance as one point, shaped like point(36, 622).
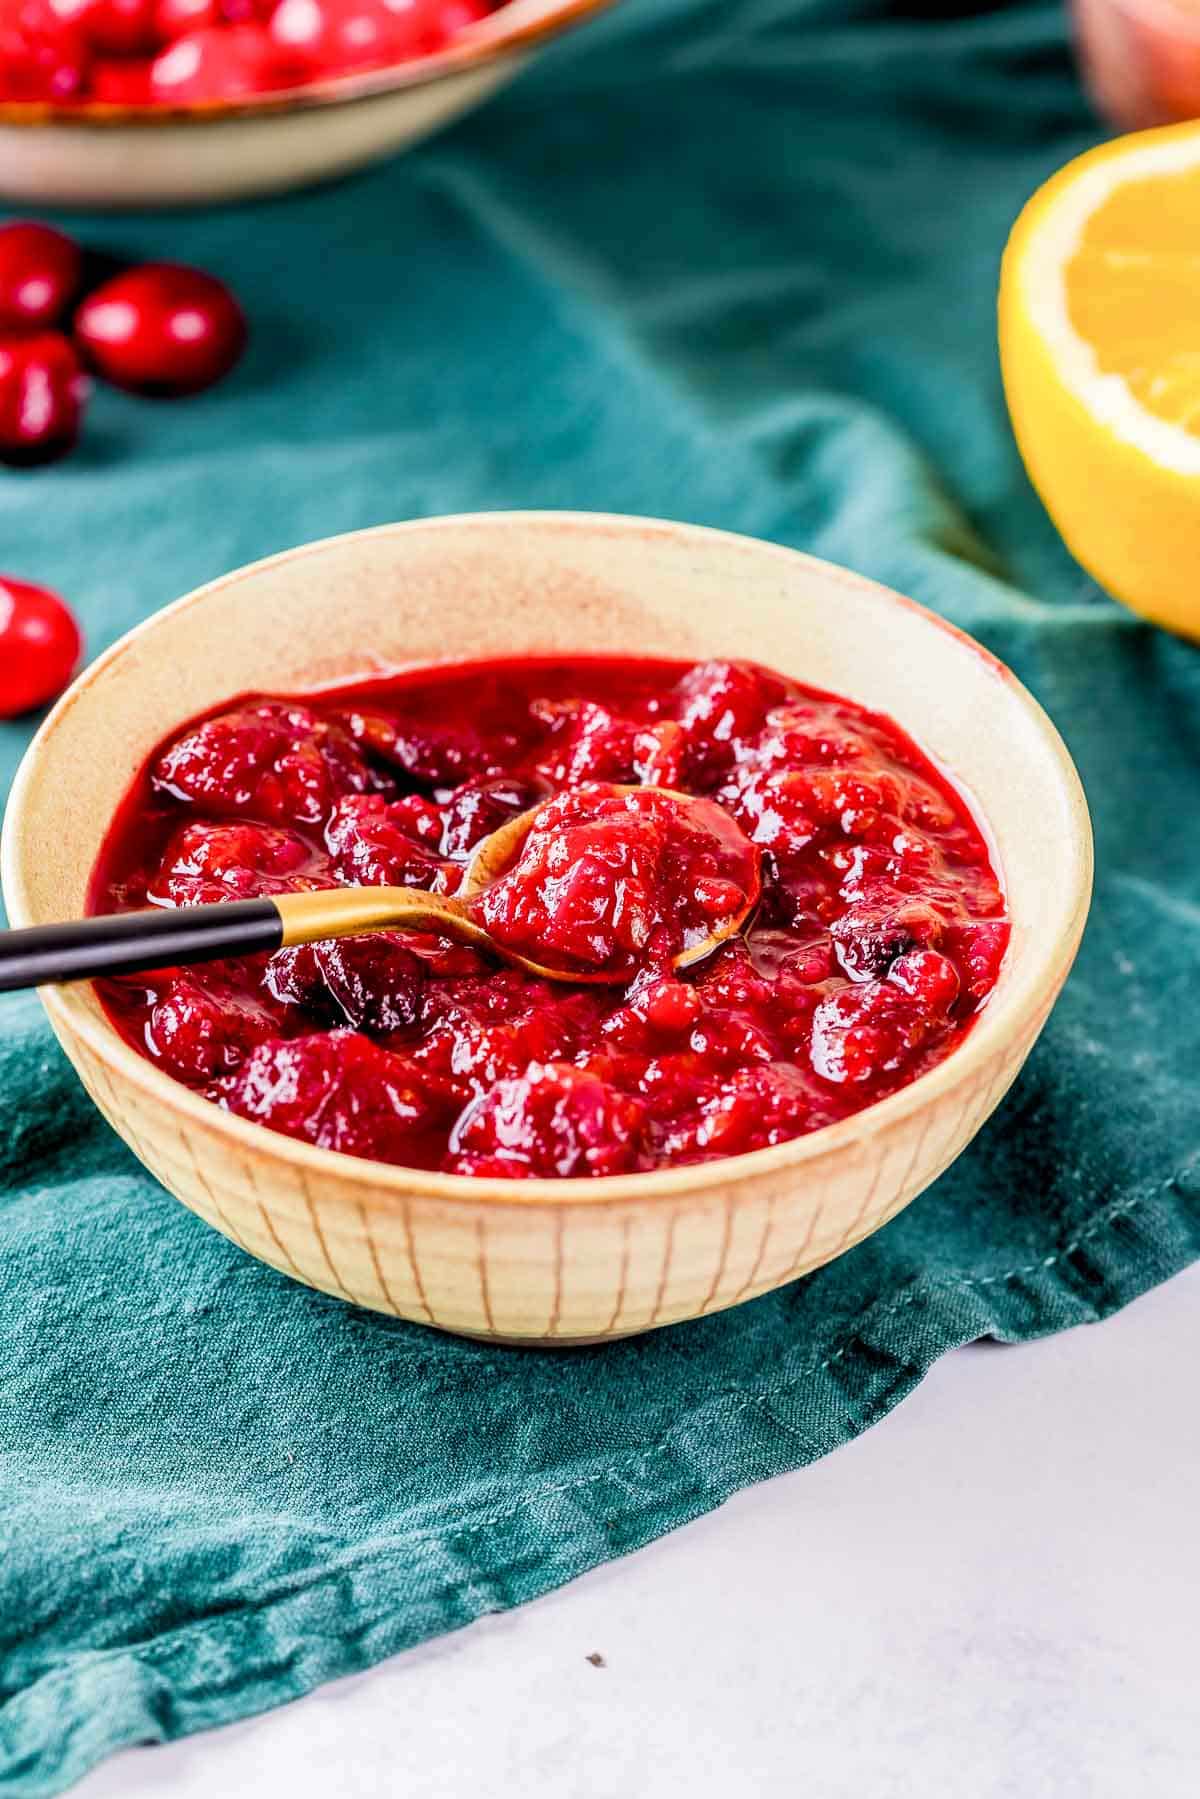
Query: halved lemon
point(1100, 349)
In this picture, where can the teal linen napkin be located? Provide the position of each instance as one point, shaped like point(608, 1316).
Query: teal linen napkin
point(732, 264)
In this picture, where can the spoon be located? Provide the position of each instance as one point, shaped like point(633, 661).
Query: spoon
point(163, 937)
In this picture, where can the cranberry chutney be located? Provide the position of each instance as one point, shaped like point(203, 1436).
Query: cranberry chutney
point(877, 937)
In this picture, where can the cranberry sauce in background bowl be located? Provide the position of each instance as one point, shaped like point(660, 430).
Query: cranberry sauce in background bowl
point(749, 1118)
point(209, 110)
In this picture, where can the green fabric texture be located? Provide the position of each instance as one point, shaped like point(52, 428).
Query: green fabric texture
point(730, 264)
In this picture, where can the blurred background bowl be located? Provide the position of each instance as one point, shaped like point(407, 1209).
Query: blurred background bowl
point(115, 157)
point(1141, 59)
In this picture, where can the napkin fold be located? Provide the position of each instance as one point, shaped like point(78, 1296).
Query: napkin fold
point(735, 265)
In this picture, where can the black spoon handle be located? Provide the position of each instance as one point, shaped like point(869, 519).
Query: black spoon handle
point(126, 942)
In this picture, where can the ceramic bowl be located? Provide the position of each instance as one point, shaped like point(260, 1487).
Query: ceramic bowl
point(566, 1261)
point(113, 157)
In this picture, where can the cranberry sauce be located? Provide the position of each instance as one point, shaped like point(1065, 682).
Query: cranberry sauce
point(879, 932)
point(622, 881)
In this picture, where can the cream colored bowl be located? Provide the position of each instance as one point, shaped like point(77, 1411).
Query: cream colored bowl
point(574, 1260)
point(115, 157)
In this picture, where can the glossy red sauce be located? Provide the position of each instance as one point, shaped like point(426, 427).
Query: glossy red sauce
point(615, 882)
point(879, 932)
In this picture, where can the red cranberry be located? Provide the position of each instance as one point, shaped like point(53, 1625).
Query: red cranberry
point(241, 12)
point(337, 1090)
point(587, 743)
point(332, 35)
point(199, 1030)
point(868, 937)
point(204, 864)
point(111, 27)
point(432, 753)
point(176, 18)
point(721, 702)
point(219, 62)
point(454, 16)
point(40, 646)
point(42, 395)
point(373, 983)
point(39, 273)
point(370, 844)
point(41, 58)
point(483, 1029)
point(162, 328)
point(121, 81)
point(272, 759)
point(553, 1120)
point(478, 808)
point(928, 977)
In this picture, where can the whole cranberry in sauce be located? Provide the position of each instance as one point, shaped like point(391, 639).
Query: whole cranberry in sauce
point(162, 329)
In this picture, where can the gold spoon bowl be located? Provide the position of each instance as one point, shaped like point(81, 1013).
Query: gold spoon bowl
point(345, 911)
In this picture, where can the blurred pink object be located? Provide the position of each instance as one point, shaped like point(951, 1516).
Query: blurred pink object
point(1141, 58)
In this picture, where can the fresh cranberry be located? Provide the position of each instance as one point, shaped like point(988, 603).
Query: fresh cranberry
point(271, 759)
point(335, 35)
point(373, 983)
point(40, 646)
point(42, 396)
point(242, 12)
point(204, 864)
point(337, 1090)
point(41, 57)
point(554, 1120)
point(162, 328)
point(39, 274)
point(453, 16)
point(121, 81)
point(219, 62)
point(199, 1029)
point(178, 18)
point(111, 27)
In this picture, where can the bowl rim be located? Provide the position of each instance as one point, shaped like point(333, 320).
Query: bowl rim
point(476, 46)
point(996, 1026)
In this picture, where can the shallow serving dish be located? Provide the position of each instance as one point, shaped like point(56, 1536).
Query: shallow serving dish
point(101, 155)
point(570, 1260)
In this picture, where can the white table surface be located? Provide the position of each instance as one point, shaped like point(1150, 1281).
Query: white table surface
point(994, 1594)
